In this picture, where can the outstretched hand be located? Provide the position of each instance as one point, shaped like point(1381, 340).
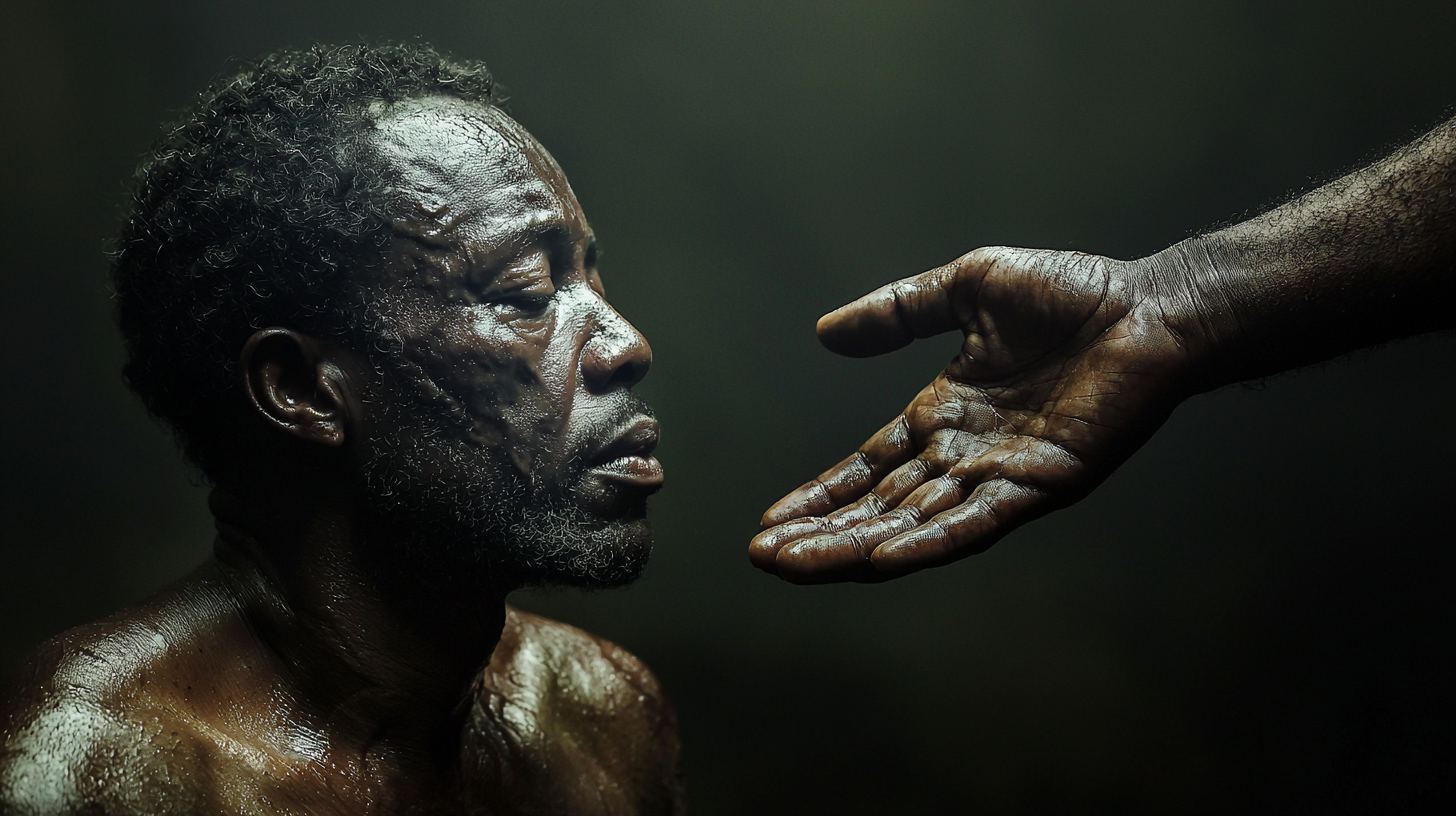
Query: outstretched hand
point(1069, 364)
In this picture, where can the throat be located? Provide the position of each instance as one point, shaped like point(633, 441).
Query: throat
point(379, 650)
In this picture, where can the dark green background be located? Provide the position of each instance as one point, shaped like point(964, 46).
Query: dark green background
point(1254, 614)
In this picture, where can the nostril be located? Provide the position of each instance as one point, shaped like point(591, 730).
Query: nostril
point(617, 356)
point(628, 374)
point(610, 366)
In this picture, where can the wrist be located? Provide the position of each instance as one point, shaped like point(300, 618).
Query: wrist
point(1189, 287)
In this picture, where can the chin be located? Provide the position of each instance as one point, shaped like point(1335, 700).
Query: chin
point(554, 548)
point(612, 501)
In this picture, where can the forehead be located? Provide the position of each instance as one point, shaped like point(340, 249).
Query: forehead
point(467, 171)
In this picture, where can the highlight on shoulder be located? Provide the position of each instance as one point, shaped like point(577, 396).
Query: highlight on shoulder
point(570, 720)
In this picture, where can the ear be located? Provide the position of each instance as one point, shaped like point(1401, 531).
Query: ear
point(293, 386)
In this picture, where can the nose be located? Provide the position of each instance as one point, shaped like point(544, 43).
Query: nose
point(616, 356)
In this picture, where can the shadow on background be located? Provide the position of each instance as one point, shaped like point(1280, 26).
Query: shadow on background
point(1255, 613)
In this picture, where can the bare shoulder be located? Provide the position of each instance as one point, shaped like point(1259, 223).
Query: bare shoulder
point(576, 719)
point(120, 716)
point(51, 735)
point(593, 672)
point(69, 743)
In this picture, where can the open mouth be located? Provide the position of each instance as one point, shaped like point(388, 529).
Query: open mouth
point(628, 460)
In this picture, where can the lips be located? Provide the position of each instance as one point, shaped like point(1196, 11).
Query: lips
point(628, 458)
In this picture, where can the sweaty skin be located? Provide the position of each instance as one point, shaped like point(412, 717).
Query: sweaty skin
point(1071, 361)
point(178, 706)
point(330, 658)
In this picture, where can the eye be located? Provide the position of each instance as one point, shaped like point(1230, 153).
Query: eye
point(521, 286)
point(531, 303)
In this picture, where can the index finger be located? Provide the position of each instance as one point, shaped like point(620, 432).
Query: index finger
point(889, 448)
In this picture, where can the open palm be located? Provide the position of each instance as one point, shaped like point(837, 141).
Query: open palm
point(1067, 367)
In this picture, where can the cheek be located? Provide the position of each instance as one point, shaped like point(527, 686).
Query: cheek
point(495, 377)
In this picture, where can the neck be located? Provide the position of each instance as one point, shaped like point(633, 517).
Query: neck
point(381, 646)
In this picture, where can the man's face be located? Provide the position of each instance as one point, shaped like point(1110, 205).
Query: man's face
point(503, 427)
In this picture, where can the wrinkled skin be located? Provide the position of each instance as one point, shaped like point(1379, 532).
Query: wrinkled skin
point(331, 657)
point(1071, 361)
point(526, 360)
point(486, 238)
point(1064, 372)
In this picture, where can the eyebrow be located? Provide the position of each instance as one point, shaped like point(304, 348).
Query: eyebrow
point(557, 240)
point(553, 235)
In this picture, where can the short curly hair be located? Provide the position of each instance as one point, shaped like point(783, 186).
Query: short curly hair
point(260, 207)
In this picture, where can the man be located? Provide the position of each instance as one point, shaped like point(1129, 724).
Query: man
point(367, 301)
point(1071, 361)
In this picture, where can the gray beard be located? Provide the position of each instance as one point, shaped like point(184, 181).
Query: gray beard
point(463, 506)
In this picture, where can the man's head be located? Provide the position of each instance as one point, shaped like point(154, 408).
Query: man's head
point(368, 217)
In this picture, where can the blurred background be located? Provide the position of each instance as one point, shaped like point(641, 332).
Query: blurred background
point(1255, 613)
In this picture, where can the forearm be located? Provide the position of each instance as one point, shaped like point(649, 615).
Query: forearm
point(1368, 258)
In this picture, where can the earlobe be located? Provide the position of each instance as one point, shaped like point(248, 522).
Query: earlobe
point(292, 387)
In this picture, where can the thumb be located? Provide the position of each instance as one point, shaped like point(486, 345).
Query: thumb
point(923, 305)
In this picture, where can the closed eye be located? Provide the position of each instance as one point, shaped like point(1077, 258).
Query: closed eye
point(524, 284)
point(527, 302)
